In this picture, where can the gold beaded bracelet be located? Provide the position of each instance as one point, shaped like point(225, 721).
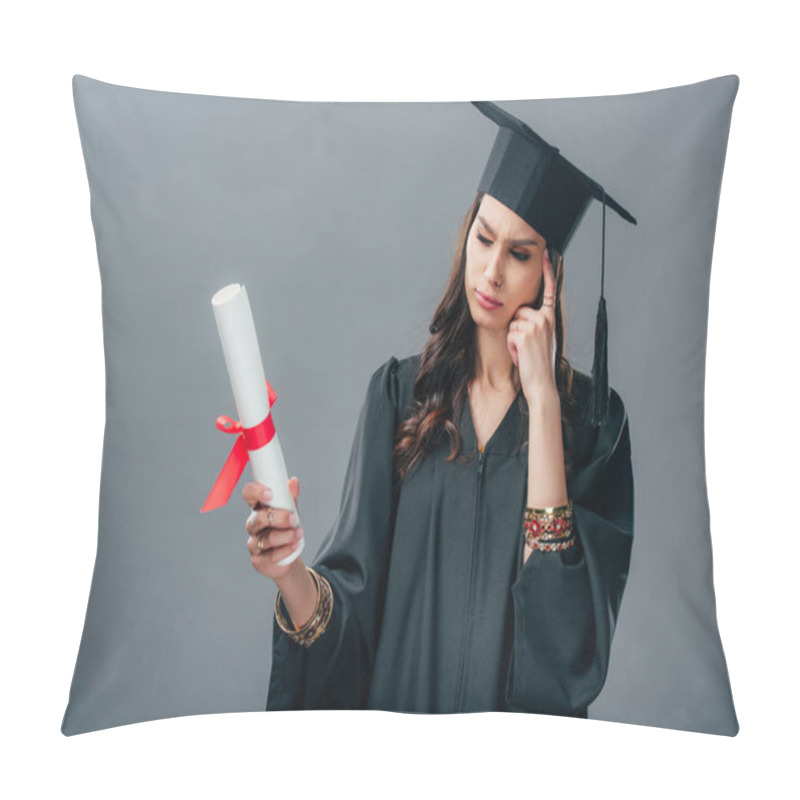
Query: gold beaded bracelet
point(549, 528)
point(316, 626)
point(547, 546)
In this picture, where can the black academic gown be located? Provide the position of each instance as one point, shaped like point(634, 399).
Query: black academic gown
point(434, 610)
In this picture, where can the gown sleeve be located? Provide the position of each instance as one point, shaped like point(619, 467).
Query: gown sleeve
point(335, 671)
point(565, 603)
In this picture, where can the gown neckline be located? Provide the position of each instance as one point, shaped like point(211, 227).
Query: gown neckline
point(497, 431)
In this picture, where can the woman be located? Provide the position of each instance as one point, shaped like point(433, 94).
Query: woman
point(483, 542)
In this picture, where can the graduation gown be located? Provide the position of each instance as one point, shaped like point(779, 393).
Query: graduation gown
point(434, 610)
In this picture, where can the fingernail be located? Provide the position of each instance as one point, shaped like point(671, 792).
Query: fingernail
point(293, 520)
point(300, 533)
point(268, 494)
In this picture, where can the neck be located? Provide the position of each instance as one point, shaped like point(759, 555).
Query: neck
point(494, 367)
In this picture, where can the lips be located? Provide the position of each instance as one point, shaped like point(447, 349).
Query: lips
point(486, 301)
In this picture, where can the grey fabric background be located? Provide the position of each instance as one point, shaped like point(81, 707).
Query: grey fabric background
point(341, 220)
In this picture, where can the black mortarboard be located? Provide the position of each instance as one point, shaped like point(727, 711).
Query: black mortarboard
point(533, 179)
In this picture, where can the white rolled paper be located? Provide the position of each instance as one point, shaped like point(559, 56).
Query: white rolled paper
point(237, 332)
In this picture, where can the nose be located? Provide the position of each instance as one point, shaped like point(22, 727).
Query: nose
point(493, 272)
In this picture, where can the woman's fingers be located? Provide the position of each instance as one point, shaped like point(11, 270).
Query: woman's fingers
point(272, 532)
point(269, 517)
point(294, 489)
point(527, 319)
point(281, 552)
point(532, 331)
point(549, 293)
point(259, 550)
point(549, 278)
point(261, 543)
point(255, 493)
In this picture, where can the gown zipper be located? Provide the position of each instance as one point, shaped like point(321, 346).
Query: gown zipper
point(467, 632)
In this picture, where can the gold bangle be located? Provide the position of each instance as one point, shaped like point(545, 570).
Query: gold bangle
point(324, 616)
point(283, 623)
point(315, 626)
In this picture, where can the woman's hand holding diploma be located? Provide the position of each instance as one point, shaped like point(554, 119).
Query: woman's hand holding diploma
point(272, 536)
point(531, 341)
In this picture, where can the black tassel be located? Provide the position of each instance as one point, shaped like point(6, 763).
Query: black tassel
point(598, 406)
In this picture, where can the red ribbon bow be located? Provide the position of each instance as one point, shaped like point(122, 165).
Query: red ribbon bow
point(247, 439)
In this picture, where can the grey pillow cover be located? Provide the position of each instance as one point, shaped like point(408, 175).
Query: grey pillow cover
point(341, 218)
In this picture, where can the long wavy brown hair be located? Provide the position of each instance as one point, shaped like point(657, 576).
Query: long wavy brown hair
point(447, 366)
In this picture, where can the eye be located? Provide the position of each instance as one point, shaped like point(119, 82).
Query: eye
point(520, 256)
point(483, 239)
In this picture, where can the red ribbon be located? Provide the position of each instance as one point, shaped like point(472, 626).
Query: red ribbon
point(247, 439)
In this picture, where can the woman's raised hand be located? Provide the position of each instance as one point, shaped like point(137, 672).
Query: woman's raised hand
point(532, 339)
point(272, 534)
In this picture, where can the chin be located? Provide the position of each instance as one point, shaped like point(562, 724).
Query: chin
point(489, 320)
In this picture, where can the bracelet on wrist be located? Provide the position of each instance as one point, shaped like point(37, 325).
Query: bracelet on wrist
point(315, 627)
point(549, 528)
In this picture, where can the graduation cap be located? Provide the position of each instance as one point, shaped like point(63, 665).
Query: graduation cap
point(533, 179)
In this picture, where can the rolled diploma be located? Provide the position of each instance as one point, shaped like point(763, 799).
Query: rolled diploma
point(237, 332)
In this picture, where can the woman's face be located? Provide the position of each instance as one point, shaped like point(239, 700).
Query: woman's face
point(504, 264)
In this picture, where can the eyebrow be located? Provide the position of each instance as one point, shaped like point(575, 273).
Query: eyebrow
point(514, 242)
